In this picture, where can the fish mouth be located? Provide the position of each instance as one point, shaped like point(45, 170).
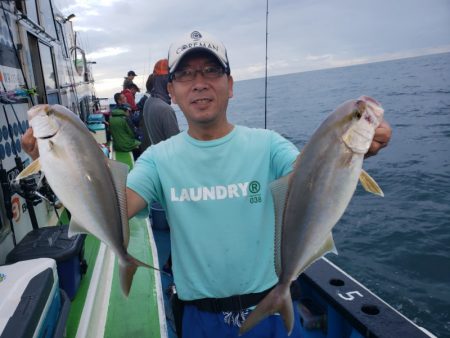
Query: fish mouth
point(44, 127)
point(373, 106)
point(47, 137)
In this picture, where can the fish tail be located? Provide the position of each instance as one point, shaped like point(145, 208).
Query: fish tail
point(127, 269)
point(277, 301)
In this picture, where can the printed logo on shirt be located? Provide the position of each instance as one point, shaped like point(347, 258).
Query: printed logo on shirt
point(218, 192)
point(254, 188)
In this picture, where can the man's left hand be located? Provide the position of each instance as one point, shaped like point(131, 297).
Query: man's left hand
point(381, 138)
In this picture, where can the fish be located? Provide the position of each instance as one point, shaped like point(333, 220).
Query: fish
point(311, 199)
point(91, 186)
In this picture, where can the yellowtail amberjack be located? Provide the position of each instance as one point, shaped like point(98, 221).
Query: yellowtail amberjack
point(311, 200)
point(91, 186)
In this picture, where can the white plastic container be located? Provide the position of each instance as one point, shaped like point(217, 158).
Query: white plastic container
point(30, 298)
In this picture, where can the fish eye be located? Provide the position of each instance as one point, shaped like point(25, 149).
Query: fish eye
point(359, 109)
point(357, 114)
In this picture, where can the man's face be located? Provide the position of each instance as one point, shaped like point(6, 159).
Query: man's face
point(122, 99)
point(203, 100)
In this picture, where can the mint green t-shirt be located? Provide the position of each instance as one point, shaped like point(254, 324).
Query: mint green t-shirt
point(219, 207)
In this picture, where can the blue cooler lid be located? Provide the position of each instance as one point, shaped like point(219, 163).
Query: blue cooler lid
point(96, 126)
point(95, 118)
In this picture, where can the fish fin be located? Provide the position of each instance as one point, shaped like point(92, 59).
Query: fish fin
point(369, 184)
point(277, 301)
point(31, 169)
point(279, 193)
point(327, 246)
point(127, 269)
point(76, 228)
point(119, 172)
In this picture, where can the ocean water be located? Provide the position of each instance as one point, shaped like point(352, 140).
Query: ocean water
point(399, 245)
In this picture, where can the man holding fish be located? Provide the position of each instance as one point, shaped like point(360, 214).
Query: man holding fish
point(214, 181)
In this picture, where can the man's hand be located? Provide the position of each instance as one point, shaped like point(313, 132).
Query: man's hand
point(381, 138)
point(29, 144)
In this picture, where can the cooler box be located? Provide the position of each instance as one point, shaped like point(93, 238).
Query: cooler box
point(31, 303)
point(96, 118)
point(98, 131)
point(54, 242)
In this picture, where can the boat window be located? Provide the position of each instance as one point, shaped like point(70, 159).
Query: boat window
point(42, 63)
point(19, 5)
point(8, 56)
point(47, 66)
point(31, 10)
point(36, 67)
point(48, 22)
point(48, 71)
point(62, 38)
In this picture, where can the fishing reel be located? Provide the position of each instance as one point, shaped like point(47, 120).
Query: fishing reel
point(35, 188)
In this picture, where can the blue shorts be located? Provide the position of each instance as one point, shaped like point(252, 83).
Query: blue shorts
point(201, 324)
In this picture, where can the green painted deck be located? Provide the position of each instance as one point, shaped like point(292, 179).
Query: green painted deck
point(91, 246)
point(124, 157)
point(138, 315)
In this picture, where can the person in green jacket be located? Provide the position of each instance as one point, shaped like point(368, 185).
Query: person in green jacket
point(124, 138)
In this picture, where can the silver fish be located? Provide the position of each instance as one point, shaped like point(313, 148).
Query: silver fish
point(91, 186)
point(311, 200)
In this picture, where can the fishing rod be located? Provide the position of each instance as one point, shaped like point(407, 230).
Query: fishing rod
point(265, 77)
point(7, 195)
point(20, 167)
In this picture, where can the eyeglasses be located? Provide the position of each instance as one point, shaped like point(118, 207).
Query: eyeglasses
point(189, 74)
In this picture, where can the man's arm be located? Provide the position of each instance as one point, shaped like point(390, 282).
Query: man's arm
point(135, 203)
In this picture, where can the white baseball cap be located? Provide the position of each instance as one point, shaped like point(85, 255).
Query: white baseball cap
point(198, 41)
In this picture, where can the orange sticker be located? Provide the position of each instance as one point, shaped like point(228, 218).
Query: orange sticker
point(16, 209)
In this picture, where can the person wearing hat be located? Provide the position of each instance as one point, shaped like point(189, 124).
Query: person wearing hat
point(128, 80)
point(213, 181)
point(159, 117)
point(130, 93)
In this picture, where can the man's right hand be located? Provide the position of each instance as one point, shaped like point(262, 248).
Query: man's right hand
point(29, 144)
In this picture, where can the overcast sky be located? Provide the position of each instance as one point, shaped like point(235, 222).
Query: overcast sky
point(123, 35)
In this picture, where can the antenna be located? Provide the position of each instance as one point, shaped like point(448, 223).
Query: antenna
point(265, 78)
